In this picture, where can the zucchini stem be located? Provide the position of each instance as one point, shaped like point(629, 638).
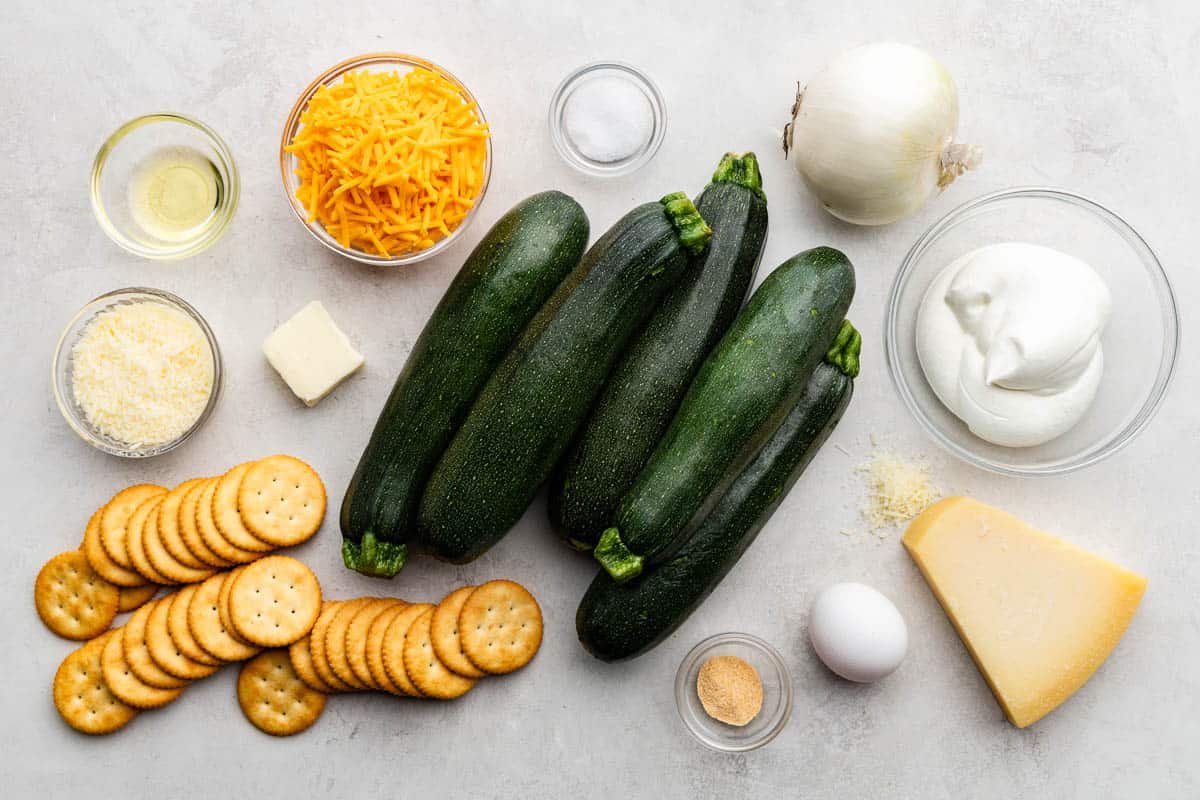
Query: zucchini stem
point(373, 557)
point(616, 558)
point(845, 350)
point(693, 231)
point(740, 170)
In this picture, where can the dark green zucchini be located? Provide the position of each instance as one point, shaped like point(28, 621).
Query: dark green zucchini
point(740, 394)
point(538, 396)
point(645, 387)
point(503, 283)
point(617, 621)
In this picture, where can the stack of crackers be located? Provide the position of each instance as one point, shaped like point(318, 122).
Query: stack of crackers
point(148, 535)
point(419, 649)
point(188, 635)
point(236, 603)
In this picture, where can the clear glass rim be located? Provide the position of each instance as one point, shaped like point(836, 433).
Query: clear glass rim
point(1158, 277)
point(62, 352)
point(683, 687)
point(225, 211)
point(576, 159)
point(287, 160)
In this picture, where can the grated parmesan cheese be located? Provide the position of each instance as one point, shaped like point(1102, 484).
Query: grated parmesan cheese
point(142, 373)
point(900, 490)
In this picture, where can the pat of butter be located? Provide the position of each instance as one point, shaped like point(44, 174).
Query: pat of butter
point(311, 353)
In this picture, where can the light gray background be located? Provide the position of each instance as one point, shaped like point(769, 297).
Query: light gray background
point(1098, 97)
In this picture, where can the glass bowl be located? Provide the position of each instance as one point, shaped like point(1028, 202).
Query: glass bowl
point(62, 375)
point(777, 693)
point(1141, 342)
point(124, 161)
point(375, 62)
point(567, 148)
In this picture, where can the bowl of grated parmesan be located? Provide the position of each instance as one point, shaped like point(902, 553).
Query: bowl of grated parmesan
point(136, 372)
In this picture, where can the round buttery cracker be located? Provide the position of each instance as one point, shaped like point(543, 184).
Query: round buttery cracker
point(204, 621)
point(160, 558)
point(223, 599)
point(273, 697)
point(131, 598)
point(274, 601)
point(180, 633)
point(118, 511)
point(281, 500)
point(376, 635)
point(169, 530)
point(443, 632)
point(189, 527)
point(431, 677)
point(137, 652)
point(356, 638)
point(206, 527)
point(300, 654)
point(392, 655)
point(72, 599)
point(500, 627)
point(83, 697)
point(316, 646)
point(124, 683)
point(225, 511)
point(98, 557)
point(335, 642)
point(163, 650)
point(145, 515)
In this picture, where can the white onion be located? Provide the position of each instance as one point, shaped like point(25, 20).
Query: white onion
point(873, 135)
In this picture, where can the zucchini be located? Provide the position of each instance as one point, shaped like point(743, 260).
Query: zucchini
point(536, 399)
point(617, 621)
point(645, 388)
point(746, 384)
point(503, 283)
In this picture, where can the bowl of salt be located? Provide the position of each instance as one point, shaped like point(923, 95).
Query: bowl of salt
point(607, 119)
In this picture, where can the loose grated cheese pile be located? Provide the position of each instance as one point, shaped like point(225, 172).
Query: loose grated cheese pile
point(390, 163)
point(142, 373)
point(900, 490)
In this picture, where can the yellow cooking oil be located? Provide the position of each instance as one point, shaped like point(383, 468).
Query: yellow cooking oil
point(174, 194)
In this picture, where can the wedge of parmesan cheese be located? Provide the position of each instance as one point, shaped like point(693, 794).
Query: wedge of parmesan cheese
point(1037, 614)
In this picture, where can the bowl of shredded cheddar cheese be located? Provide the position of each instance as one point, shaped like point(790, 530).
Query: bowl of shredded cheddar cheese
point(386, 158)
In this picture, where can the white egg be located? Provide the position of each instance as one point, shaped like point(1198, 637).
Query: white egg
point(857, 632)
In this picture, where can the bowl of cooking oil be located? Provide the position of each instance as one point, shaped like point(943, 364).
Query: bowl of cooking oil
point(164, 186)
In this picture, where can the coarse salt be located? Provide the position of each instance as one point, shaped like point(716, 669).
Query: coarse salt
point(608, 119)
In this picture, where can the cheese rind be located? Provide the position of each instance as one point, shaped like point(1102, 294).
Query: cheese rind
point(311, 353)
point(1038, 614)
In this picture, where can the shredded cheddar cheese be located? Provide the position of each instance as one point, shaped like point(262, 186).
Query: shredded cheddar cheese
point(142, 372)
point(389, 163)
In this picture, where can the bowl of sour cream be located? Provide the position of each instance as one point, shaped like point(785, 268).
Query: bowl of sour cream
point(1032, 331)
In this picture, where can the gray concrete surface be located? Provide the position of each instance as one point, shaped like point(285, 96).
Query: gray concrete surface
point(1101, 97)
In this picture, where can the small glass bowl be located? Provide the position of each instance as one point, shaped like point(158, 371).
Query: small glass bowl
point(116, 165)
point(375, 62)
point(1141, 342)
point(567, 149)
point(61, 370)
point(777, 693)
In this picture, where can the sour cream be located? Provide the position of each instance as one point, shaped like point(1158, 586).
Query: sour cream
point(1009, 338)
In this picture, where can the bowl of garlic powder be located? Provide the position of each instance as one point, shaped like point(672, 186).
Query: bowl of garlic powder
point(136, 372)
